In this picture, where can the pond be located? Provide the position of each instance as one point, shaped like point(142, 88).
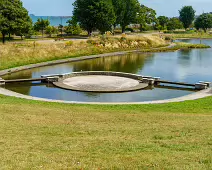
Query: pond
point(189, 66)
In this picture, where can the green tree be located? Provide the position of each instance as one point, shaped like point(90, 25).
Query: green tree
point(130, 10)
point(187, 16)
point(174, 23)
point(51, 30)
point(41, 25)
point(145, 16)
point(60, 28)
point(204, 22)
point(73, 27)
point(119, 9)
point(94, 14)
point(163, 21)
point(14, 18)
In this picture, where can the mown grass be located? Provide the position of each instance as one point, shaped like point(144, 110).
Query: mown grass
point(193, 35)
point(37, 135)
point(188, 45)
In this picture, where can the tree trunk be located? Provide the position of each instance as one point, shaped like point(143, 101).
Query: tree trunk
point(114, 27)
point(141, 27)
point(123, 28)
point(9, 36)
point(3, 38)
point(89, 32)
point(42, 33)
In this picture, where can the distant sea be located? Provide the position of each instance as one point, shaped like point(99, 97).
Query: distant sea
point(54, 20)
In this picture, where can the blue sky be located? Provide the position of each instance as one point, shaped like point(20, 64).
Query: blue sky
point(163, 7)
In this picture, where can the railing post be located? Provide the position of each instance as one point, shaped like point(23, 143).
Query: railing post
point(2, 81)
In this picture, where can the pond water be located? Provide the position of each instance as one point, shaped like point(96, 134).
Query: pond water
point(189, 66)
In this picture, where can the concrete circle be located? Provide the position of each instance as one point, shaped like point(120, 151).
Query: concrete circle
point(100, 83)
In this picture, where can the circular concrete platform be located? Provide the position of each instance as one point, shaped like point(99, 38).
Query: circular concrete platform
point(100, 83)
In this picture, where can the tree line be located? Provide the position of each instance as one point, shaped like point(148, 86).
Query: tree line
point(102, 15)
point(105, 15)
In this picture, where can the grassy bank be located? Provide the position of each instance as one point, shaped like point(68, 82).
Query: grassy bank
point(13, 55)
point(19, 54)
point(191, 36)
point(59, 136)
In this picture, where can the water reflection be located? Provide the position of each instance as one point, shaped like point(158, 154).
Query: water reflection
point(184, 57)
point(130, 63)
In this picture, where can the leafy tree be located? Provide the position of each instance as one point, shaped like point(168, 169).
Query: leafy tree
point(94, 14)
point(174, 23)
point(163, 21)
point(60, 28)
point(25, 29)
point(119, 9)
point(41, 25)
point(73, 27)
point(204, 22)
point(187, 16)
point(51, 30)
point(130, 10)
point(14, 18)
point(145, 16)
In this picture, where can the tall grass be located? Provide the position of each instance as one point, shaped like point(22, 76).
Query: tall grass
point(12, 55)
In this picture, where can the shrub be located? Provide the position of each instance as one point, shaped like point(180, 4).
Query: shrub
point(167, 38)
point(129, 29)
point(73, 30)
point(92, 41)
point(168, 32)
point(69, 43)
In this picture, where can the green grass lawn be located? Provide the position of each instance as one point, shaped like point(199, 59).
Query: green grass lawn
point(194, 35)
point(38, 135)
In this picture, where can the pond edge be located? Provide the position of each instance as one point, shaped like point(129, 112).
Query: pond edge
point(195, 96)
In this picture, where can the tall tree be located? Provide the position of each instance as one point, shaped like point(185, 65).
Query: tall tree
point(94, 14)
point(73, 27)
point(14, 18)
point(145, 16)
point(41, 25)
point(174, 23)
point(204, 22)
point(130, 10)
point(51, 30)
point(187, 16)
point(60, 29)
point(163, 21)
point(119, 9)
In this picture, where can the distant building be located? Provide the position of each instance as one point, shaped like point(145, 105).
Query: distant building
point(54, 20)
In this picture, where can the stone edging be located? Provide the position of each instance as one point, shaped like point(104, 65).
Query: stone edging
point(195, 96)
